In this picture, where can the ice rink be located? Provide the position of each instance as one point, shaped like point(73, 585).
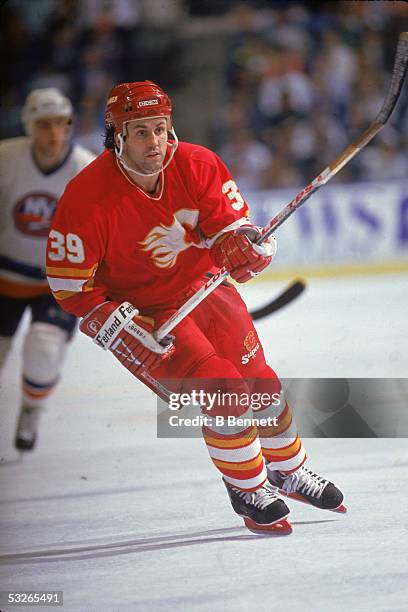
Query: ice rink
point(122, 521)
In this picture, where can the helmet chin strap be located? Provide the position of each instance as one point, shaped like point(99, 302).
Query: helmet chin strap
point(119, 155)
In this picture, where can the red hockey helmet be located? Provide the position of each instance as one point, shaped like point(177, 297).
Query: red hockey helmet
point(129, 101)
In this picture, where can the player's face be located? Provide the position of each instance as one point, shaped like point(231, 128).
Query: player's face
point(50, 136)
point(145, 145)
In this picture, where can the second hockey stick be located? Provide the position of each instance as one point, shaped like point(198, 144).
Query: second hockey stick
point(283, 299)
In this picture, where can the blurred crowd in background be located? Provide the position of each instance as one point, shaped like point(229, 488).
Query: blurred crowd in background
point(291, 83)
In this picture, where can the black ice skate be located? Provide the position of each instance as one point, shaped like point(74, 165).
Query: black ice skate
point(308, 487)
point(26, 433)
point(262, 510)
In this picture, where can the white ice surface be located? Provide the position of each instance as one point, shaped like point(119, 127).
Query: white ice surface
point(121, 520)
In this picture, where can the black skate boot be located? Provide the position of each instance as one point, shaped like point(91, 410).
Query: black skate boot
point(262, 510)
point(306, 486)
point(26, 433)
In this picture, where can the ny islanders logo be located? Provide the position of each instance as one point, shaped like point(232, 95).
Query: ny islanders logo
point(166, 241)
point(33, 214)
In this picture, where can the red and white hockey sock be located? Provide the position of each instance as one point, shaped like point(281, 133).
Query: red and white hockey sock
point(235, 450)
point(281, 445)
point(238, 457)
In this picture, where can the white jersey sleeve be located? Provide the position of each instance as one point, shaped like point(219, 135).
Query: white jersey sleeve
point(28, 200)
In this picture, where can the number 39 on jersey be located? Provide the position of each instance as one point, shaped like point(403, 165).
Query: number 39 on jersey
point(67, 246)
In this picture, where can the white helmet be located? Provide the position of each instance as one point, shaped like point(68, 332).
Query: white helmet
point(40, 103)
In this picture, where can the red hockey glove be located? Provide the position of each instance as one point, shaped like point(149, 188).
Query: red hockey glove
point(128, 336)
point(238, 252)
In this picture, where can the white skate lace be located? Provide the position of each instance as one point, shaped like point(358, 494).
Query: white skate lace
point(261, 498)
point(304, 481)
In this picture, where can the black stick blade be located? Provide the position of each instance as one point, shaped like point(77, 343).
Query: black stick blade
point(397, 79)
point(288, 295)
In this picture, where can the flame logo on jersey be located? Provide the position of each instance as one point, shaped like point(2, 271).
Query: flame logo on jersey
point(166, 242)
point(250, 341)
point(33, 214)
point(252, 346)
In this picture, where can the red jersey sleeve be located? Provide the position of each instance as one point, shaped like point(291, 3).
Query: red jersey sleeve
point(220, 201)
point(75, 250)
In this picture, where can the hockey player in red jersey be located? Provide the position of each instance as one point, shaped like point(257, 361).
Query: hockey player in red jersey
point(134, 236)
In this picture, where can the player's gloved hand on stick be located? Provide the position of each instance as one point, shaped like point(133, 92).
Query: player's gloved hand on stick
point(238, 252)
point(118, 328)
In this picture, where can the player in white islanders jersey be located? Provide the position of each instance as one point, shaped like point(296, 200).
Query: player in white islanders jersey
point(135, 234)
point(34, 171)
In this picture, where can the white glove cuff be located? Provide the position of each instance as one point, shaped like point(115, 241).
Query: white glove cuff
point(267, 248)
point(114, 324)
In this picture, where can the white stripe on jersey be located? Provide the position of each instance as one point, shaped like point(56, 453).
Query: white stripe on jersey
point(66, 284)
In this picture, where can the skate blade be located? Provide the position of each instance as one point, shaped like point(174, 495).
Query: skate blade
point(341, 509)
point(281, 527)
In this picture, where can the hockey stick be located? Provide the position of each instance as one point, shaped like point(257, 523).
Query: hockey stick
point(397, 79)
point(287, 296)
